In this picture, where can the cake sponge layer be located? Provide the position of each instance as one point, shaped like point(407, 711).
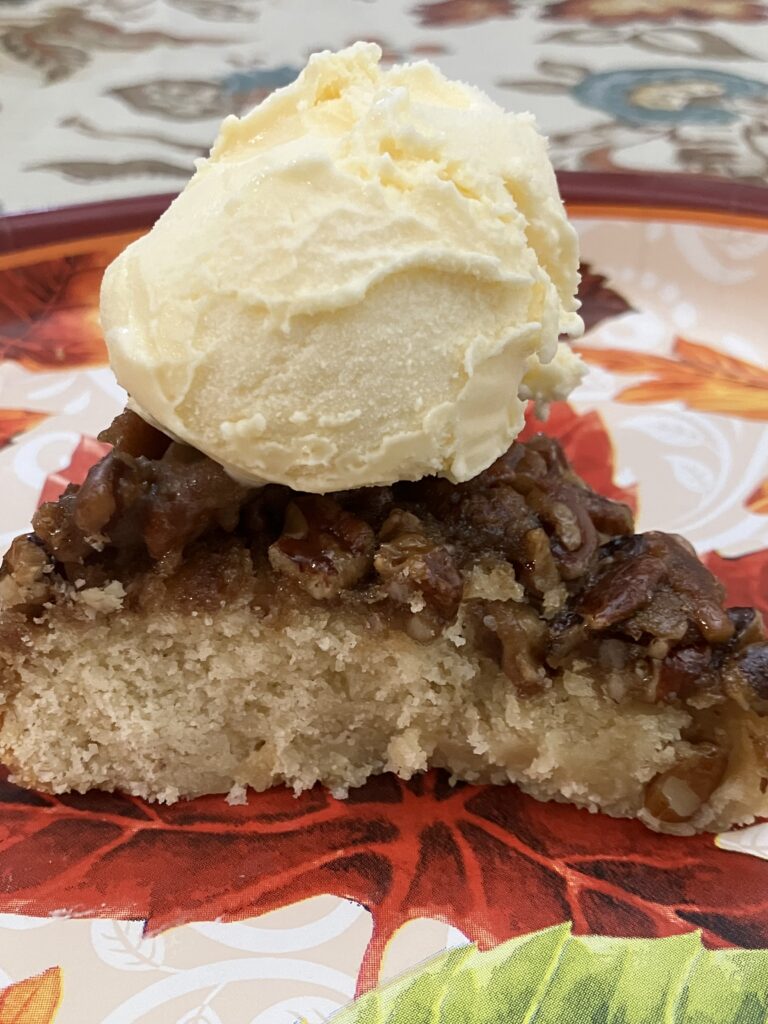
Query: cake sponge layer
point(179, 704)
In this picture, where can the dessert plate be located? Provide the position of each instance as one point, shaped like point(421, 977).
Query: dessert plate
point(284, 909)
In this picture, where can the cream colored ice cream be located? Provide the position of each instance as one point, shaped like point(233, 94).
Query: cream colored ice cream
point(353, 286)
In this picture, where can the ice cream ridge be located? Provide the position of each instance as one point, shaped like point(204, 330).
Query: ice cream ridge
point(363, 283)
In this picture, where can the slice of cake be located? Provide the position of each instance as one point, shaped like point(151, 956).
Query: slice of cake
point(169, 632)
point(316, 551)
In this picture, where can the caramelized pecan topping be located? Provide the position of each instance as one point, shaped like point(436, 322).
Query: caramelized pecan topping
point(520, 637)
point(653, 583)
point(322, 547)
point(130, 434)
point(746, 677)
point(531, 509)
point(418, 575)
point(132, 502)
point(25, 573)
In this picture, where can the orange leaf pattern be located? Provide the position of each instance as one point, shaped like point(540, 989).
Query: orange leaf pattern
point(32, 1001)
point(757, 502)
point(699, 376)
point(745, 578)
point(15, 421)
point(49, 313)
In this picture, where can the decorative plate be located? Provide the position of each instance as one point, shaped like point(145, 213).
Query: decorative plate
point(285, 909)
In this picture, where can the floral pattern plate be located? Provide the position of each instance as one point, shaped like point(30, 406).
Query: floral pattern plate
point(284, 909)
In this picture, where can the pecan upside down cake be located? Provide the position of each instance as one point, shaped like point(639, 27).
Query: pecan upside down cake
point(170, 632)
point(316, 550)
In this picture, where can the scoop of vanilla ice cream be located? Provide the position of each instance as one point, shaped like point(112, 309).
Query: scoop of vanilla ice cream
point(352, 287)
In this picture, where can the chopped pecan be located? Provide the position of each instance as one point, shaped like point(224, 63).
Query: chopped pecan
point(753, 665)
point(653, 583)
point(567, 633)
point(325, 549)
point(132, 502)
point(371, 504)
point(531, 508)
point(611, 518)
point(262, 516)
point(514, 635)
point(54, 524)
point(665, 617)
point(569, 523)
point(572, 511)
point(187, 497)
point(417, 574)
point(130, 434)
point(96, 501)
point(536, 564)
point(495, 520)
point(747, 626)
point(25, 573)
point(676, 795)
point(550, 453)
point(686, 671)
point(701, 592)
point(745, 677)
point(626, 581)
point(573, 537)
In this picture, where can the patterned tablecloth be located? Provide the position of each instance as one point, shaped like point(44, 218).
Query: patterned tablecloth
point(107, 98)
point(278, 911)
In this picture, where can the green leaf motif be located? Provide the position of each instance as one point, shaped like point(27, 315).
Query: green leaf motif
point(554, 977)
